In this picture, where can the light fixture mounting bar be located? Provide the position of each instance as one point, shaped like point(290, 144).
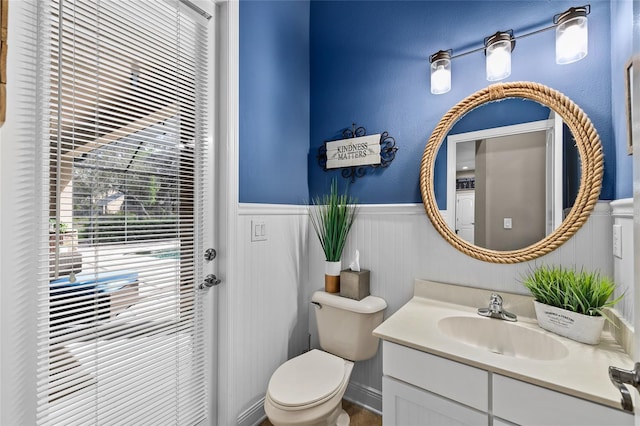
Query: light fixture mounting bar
point(480, 49)
point(585, 10)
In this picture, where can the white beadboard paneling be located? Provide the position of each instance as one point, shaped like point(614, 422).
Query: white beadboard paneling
point(622, 212)
point(398, 243)
point(271, 309)
point(275, 279)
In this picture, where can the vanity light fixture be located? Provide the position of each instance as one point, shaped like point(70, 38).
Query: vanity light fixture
point(440, 72)
point(571, 46)
point(572, 36)
point(498, 49)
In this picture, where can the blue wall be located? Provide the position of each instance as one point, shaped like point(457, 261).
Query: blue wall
point(274, 101)
point(369, 66)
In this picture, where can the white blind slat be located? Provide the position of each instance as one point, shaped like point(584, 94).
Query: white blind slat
point(119, 338)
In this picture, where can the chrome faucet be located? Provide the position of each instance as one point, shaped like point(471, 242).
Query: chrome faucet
point(495, 309)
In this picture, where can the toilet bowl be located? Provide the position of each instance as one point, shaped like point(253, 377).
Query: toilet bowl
point(308, 389)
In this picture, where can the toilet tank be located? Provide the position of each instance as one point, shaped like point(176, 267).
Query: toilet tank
point(345, 325)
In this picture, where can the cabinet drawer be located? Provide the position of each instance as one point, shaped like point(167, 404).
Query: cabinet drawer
point(404, 404)
point(453, 380)
point(527, 404)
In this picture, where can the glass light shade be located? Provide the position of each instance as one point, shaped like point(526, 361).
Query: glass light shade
point(572, 38)
point(440, 76)
point(498, 60)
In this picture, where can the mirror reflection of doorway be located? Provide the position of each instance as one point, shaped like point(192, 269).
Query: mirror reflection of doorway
point(465, 215)
point(516, 176)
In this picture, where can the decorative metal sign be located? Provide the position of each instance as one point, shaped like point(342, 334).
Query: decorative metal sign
point(362, 151)
point(357, 152)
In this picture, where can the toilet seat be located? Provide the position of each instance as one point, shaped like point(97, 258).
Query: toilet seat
point(307, 380)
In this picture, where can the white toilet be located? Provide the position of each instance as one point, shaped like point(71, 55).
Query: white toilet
point(308, 389)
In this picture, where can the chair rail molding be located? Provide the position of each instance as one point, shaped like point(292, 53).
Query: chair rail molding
point(622, 208)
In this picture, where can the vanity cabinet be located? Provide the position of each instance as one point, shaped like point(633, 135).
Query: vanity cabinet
point(421, 388)
point(527, 404)
point(404, 404)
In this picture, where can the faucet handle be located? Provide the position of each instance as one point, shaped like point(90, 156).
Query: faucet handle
point(495, 309)
point(496, 299)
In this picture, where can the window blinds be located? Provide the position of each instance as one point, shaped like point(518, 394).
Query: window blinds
point(120, 337)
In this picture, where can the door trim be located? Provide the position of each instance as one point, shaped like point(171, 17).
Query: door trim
point(227, 190)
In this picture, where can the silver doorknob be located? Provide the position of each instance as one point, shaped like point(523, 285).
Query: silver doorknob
point(210, 254)
point(209, 281)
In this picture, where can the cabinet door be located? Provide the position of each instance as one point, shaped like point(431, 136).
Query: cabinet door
point(527, 404)
point(404, 405)
point(450, 379)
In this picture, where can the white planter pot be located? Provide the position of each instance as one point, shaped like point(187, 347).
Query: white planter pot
point(582, 328)
point(333, 268)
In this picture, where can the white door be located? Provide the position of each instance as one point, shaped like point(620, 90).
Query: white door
point(124, 317)
point(465, 215)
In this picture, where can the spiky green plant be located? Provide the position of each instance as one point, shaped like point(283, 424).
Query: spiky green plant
point(332, 216)
point(586, 293)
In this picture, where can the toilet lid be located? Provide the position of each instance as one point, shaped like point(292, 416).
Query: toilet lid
point(307, 379)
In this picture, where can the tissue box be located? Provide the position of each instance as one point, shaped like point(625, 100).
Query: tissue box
point(354, 284)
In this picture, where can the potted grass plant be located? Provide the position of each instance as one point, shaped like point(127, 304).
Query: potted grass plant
point(571, 303)
point(332, 216)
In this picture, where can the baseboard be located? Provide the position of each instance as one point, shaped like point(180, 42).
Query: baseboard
point(253, 415)
point(364, 396)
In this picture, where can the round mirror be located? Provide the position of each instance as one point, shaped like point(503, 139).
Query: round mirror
point(512, 174)
point(514, 215)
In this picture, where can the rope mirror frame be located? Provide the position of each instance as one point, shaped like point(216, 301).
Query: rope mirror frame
point(589, 149)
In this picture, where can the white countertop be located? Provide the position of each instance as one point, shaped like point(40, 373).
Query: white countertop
point(582, 373)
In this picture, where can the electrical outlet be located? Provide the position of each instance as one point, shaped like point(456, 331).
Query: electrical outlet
point(617, 241)
point(258, 231)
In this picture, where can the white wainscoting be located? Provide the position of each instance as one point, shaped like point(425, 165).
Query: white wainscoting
point(622, 212)
point(275, 279)
point(272, 303)
point(397, 243)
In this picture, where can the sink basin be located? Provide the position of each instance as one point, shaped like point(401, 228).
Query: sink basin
point(502, 337)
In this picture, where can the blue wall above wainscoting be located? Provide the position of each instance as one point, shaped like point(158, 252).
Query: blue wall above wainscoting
point(369, 66)
point(309, 69)
point(274, 101)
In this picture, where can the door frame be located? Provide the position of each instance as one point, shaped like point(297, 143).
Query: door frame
point(211, 201)
point(635, 120)
point(495, 132)
point(226, 188)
